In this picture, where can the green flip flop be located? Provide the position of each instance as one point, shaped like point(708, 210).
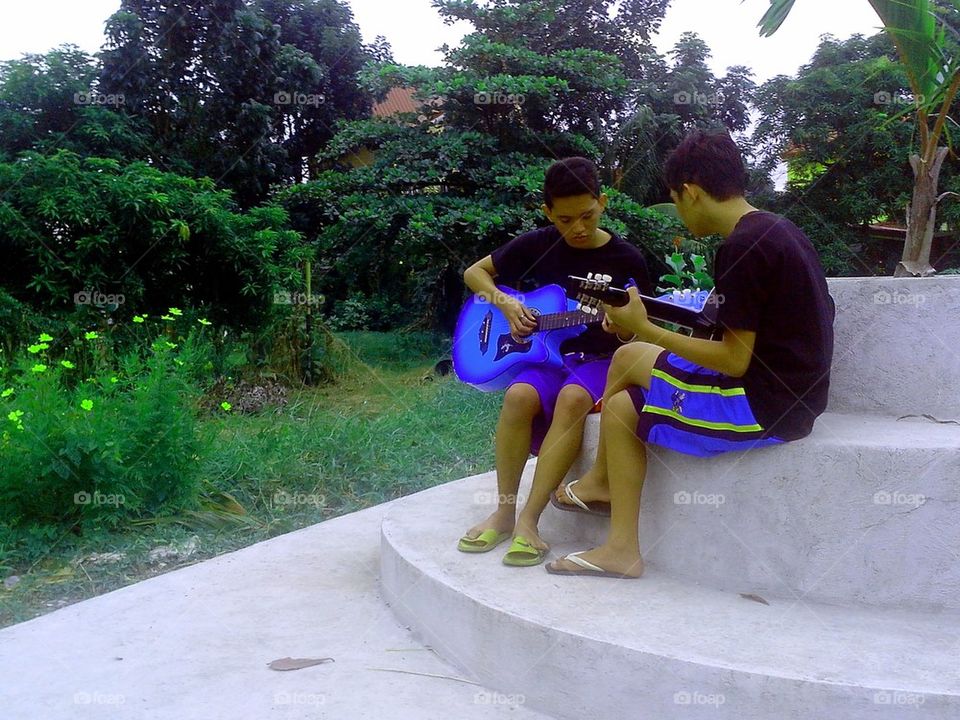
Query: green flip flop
point(484, 542)
point(523, 554)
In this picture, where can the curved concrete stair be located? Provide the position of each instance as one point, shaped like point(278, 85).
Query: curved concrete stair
point(864, 510)
point(659, 647)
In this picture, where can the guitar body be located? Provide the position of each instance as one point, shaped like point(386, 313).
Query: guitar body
point(485, 353)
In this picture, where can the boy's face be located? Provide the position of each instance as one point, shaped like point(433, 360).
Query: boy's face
point(577, 218)
point(689, 208)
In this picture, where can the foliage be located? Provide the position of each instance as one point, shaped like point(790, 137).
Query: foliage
point(98, 441)
point(70, 227)
point(688, 273)
point(925, 35)
point(241, 92)
point(49, 102)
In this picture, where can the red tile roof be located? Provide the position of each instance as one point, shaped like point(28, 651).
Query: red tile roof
point(398, 100)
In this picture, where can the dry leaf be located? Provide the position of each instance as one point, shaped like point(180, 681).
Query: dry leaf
point(289, 663)
point(755, 598)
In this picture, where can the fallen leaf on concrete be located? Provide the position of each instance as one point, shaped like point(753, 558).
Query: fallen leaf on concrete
point(289, 663)
point(755, 598)
point(931, 418)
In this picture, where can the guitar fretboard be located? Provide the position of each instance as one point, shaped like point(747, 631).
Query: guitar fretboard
point(555, 321)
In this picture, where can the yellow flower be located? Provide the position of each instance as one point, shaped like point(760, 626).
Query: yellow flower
point(87, 405)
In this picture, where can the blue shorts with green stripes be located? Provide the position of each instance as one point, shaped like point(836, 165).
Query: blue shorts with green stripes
point(696, 411)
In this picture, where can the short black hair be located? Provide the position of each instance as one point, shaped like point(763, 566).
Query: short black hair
point(710, 159)
point(570, 176)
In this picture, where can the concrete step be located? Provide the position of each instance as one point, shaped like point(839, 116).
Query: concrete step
point(658, 647)
point(194, 644)
point(861, 511)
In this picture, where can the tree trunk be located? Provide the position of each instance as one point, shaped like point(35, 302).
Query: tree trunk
point(921, 217)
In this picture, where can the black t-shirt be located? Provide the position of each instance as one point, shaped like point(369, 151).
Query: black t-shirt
point(542, 257)
point(770, 281)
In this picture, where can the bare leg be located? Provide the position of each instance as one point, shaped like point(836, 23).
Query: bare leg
point(560, 448)
point(521, 403)
point(627, 464)
point(632, 365)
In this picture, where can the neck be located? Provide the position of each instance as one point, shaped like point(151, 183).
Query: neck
point(728, 213)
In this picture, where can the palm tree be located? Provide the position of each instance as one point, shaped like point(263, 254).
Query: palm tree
point(920, 37)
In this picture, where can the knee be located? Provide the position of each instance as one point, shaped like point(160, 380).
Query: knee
point(631, 353)
point(621, 410)
point(521, 401)
point(573, 405)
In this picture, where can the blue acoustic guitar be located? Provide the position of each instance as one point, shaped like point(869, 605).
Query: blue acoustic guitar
point(488, 356)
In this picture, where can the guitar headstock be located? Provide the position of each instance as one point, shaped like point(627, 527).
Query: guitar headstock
point(594, 290)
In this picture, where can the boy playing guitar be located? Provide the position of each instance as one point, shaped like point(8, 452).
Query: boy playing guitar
point(763, 383)
point(544, 409)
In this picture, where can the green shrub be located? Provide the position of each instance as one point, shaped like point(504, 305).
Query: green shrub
point(100, 440)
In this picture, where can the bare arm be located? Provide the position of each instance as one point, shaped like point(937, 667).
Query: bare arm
point(730, 355)
point(479, 277)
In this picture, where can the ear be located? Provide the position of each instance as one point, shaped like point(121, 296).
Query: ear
point(546, 211)
point(602, 201)
point(694, 191)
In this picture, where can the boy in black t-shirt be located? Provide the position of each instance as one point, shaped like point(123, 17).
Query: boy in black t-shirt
point(764, 383)
point(544, 409)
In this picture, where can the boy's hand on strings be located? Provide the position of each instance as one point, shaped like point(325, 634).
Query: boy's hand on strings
point(522, 320)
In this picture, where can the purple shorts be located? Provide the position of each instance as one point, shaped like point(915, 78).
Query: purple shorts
point(696, 411)
point(589, 374)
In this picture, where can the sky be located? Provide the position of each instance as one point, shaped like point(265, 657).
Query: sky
point(415, 30)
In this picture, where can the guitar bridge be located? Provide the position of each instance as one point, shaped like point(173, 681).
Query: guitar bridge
point(484, 334)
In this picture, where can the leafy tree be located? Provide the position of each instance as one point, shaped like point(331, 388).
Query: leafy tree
point(444, 190)
point(925, 42)
point(676, 95)
point(69, 225)
point(52, 101)
point(243, 92)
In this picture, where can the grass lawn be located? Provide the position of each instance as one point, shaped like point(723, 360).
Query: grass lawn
point(388, 427)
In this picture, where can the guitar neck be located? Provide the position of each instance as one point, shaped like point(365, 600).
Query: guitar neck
point(555, 321)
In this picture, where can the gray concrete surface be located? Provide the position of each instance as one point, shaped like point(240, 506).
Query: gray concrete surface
point(194, 644)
